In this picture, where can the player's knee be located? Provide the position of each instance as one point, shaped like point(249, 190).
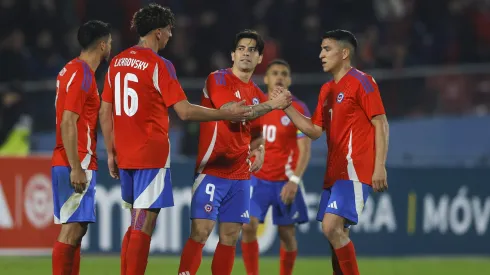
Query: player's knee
point(249, 231)
point(229, 233)
point(287, 233)
point(200, 230)
point(332, 232)
point(72, 233)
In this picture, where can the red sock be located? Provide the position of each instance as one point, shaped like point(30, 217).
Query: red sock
point(287, 261)
point(191, 257)
point(250, 255)
point(335, 263)
point(76, 261)
point(347, 259)
point(62, 259)
point(223, 260)
point(137, 252)
point(124, 249)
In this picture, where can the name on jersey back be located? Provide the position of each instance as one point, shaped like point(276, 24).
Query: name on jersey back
point(131, 62)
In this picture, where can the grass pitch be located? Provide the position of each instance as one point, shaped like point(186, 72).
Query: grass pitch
point(159, 265)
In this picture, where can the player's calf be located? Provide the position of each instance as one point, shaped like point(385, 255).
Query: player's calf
point(138, 247)
point(287, 236)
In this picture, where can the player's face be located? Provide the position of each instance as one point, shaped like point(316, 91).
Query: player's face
point(163, 35)
point(246, 56)
point(106, 47)
point(277, 76)
point(331, 55)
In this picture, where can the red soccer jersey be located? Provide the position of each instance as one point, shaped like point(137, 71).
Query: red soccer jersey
point(76, 91)
point(224, 146)
point(141, 85)
point(344, 111)
point(281, 144)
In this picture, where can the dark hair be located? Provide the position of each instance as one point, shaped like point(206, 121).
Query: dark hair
point(278, 62)
point(90, 32)
point(151, 18)
point(343, 36)
point(251, 34)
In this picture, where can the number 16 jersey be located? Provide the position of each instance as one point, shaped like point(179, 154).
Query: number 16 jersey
point(141, 86)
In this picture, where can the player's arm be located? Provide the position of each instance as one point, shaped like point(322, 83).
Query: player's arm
point(279, 102)
point(173, 95)
point(237, 111)
point(257, 146)
point(105, 115)
point(69, 136)
point(106, 125)
point(369, 98)
point(380, 123)
point(303, 123)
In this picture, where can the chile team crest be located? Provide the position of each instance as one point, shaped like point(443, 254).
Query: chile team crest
point(340, 97)
point(255, 101)
point(285, 120)
point(208, 208)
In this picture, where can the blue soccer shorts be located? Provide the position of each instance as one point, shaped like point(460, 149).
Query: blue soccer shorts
point(346, 198)
point(146, 188)
point(69, 206)
point(268, 193)
point(219, 198)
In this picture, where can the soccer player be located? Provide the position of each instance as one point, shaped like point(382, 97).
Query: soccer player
point(74, 162)
point(351, 113)
point(278, 183)
point(139, 89)
point(222, 184)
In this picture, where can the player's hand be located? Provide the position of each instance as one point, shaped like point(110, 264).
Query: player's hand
point(281, 98)
point(113, 169)
point(238, 111)
point(78, 179)
point(380, 183)
point(259, 155)
point(288, 192)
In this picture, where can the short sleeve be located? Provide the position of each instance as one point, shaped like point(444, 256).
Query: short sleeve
point(369, 98)
point(78, 89)
point(165, 81)
point(318, 116)
point(107, 93)
point(218, 91)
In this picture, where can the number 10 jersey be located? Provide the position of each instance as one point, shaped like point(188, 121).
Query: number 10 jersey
point(141, 86)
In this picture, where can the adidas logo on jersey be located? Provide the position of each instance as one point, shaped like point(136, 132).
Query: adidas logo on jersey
point(333, 205)
point(245, 215)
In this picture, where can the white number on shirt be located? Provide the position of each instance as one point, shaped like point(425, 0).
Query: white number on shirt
point(269, 133)
point(331, 113)
point(210, 191)
point(129, 94)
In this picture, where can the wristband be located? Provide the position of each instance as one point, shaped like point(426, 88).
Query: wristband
point(295, 179)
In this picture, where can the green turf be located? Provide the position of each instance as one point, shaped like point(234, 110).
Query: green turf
point(102, 265)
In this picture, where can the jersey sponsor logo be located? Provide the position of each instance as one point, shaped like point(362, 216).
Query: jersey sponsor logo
point(340, 97)
point(237, 94)
point(285, 120)
point(255, 101)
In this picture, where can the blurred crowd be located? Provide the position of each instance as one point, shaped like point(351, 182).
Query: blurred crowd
point(37, 37)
